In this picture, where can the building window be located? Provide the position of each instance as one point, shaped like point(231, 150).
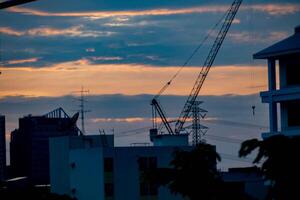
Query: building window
point(146, 163)
point(292, 75)
point(153, 190)
point(143, 189)
point(148, 189)
point(108, 164)
point(109, 189)
point(293, 109)
point(142, 163)
point(152, 162)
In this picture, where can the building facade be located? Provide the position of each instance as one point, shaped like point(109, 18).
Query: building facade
point(86, 167)
point(248, 180)
point(2, 149)
point(29, 147)
point(283, 95)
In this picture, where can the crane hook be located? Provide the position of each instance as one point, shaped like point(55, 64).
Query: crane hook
point(253, 110)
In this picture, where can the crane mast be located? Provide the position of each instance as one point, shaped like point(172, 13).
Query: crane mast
point(207, 65)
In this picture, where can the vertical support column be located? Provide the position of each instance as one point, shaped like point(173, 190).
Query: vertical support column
point(273, 117)
point(272, 74)
point(272, 86)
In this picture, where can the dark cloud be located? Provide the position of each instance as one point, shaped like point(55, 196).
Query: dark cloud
point(78, 5)
point(230, 117)
point(170, 38)
point(227, 107)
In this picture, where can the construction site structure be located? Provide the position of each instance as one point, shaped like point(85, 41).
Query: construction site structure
point(157, 109)
point(197, 130)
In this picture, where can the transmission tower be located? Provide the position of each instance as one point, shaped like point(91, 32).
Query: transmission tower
point(197, 129)
point(82, 109)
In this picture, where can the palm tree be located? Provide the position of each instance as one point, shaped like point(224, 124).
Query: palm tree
point(280, 164)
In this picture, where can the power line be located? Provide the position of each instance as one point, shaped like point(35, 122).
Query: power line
point(235, 123)
point(138, 131)
point(135, 132)
point(225, 156)
point(191, 56)
point(236, 158)
point(224, 139)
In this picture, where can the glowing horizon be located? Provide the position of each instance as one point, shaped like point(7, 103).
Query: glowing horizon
point(128, 79)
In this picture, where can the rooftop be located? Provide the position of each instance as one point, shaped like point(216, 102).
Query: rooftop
point(290, 45)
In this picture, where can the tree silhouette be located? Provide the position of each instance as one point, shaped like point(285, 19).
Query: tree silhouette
point(30, 193)
point(280, 164)
point(193, 174)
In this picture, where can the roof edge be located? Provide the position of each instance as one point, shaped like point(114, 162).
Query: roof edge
point(260, 55)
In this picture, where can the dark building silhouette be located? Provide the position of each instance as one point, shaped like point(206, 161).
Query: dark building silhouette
point(2, 148)
point(247, 180)
point(29, 147)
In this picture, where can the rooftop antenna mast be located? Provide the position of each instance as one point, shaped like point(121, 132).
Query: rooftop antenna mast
point(82, 109)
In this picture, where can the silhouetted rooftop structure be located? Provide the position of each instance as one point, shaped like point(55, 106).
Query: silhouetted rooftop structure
point(290, 45)
point(247, 180)
point(29, 145)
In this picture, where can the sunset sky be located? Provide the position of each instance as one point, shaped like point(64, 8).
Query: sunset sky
point(124, 51)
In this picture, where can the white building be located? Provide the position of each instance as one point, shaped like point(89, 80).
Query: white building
point(91, 168)
point(283, 95)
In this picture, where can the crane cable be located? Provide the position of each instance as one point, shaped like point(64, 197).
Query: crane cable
point(251, 61)
point(191, 56)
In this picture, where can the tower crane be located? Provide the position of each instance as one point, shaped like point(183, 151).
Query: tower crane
point(157, 109)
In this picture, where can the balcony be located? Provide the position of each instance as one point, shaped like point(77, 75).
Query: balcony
point(284, 94)
point(292, 132)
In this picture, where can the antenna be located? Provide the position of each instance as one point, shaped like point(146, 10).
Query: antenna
point(82, 110)
point(103, 138)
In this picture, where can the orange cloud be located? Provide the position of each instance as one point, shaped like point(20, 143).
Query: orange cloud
point(106, 58)
point(276, 9)
point(135, 24)
point(134, 120)
point(22, 61)
point(242, 37)
point(130, 79)
point(272, 9)
point(126, 120)
point(236, 21)
point(130, 13)
point(74, 31)
point(10, 31)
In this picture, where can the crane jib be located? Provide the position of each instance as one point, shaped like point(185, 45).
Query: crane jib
point(201, 77)
point(207, 65)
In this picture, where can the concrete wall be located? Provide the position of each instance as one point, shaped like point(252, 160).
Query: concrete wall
point(78, 170)
point(170, 140)
point(86, 178)
point(127, 174)
point(59, 165)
